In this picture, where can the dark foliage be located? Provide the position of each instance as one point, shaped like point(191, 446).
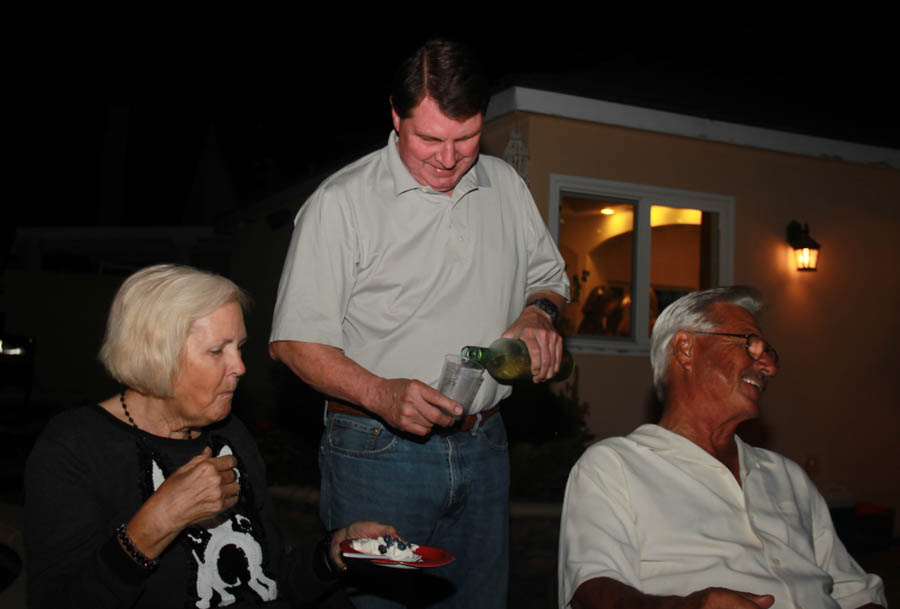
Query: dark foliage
point(547, 431)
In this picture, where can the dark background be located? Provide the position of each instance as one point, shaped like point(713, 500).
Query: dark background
point(116, 122)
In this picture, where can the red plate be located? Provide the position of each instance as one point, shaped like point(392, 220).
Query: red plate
point(431, 557)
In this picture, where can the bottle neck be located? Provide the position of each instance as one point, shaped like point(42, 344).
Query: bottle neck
point(477, 354)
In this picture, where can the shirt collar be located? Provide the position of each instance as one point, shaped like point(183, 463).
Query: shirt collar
point(660, 439)
point(750, 458)
point(403, 180)
point(473, 179)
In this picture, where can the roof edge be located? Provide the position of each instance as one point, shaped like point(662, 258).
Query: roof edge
point(610, 113)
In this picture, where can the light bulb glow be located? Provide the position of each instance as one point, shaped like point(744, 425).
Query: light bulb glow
point(807, 258)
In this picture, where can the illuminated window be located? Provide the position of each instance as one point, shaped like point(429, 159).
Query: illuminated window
point(630, 250)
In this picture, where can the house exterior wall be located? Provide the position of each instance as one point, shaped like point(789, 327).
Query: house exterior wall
point(836, 330)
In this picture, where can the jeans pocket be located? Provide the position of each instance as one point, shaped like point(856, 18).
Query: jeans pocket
point(357, 436)
point(494, 432)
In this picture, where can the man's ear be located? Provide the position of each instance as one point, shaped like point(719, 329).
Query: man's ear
point(395, 118)
point(683, 349)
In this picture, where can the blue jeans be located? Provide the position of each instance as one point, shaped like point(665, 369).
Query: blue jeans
point(447, 490)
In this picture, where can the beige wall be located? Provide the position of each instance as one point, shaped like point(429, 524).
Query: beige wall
point(837, 329)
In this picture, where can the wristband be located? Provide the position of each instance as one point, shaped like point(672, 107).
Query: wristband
point(546, 305)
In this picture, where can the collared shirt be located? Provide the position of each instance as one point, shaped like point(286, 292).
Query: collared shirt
point(398, 275)
point(657, 512)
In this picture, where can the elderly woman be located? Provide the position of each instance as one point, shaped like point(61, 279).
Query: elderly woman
point(156, 497)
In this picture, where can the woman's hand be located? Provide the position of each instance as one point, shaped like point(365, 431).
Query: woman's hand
point(357, 530)
point(199, 490)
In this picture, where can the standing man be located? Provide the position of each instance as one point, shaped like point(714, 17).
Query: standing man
point(396, 260)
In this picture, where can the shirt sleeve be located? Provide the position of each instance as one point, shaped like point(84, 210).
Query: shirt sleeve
point(853, 587)
point(73, 558)
point(319, 271)
point(598, 536)
point(546, 268)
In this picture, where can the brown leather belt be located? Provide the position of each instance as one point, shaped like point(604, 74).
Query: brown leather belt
point(465, 423)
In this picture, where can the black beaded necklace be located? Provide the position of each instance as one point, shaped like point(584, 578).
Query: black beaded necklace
point(125, 408)
point(190, 434)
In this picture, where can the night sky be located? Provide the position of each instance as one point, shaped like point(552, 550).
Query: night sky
point(115, 127)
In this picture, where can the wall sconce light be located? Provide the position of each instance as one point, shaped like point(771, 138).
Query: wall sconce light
point(806, 249)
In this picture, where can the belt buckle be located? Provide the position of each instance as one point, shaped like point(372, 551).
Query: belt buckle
point(455, 427)
point(461, 424)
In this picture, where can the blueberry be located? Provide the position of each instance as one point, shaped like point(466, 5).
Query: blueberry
point(382, 549)
point(401, 545)
point(387, 539)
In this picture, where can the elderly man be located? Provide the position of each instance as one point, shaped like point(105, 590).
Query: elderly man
point(683, 514)
point(402, 257)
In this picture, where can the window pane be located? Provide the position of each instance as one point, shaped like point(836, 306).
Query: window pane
point(683, 254)
point(596, 241)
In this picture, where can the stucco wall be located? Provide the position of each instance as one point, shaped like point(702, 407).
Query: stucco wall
point(836, 330)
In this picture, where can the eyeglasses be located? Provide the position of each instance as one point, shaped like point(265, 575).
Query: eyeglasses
point(756, 347)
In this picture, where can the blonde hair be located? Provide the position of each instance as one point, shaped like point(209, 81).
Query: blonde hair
point(150, 318)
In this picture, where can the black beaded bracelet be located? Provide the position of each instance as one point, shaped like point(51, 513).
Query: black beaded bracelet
point(148, 564)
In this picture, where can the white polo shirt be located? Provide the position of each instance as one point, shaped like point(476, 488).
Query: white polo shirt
point(398, 275)
point(655, 511)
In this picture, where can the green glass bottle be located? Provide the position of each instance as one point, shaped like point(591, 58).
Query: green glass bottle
point(507, 360)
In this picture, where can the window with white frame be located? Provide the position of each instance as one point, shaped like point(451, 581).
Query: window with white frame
point(630, 250)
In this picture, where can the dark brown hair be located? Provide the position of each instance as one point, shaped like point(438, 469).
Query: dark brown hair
point(446, 71)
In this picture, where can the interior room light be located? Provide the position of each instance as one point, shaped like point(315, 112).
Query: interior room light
point(806, 249)
point(607, 211)
point(8, 349)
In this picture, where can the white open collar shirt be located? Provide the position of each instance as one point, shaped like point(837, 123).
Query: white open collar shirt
point(397, 275)
point(655, 511)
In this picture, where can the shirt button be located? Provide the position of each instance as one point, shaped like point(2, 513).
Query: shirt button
point(460, 238)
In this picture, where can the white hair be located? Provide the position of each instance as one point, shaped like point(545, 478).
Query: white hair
point(693, 312)
point(150, 318)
